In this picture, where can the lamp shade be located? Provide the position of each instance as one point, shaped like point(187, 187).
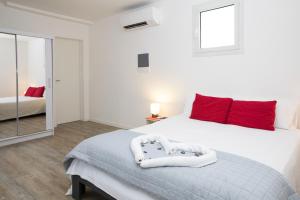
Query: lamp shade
point(155, 109)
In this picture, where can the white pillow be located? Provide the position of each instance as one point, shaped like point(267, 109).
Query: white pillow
point(287, 111)
point(189, 105)
point(286, 114)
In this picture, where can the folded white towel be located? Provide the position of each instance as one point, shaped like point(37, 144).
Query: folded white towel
point(202, 156)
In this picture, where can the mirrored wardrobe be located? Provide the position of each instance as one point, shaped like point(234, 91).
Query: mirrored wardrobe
point(25, 87)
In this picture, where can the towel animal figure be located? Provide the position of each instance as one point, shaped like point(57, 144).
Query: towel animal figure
point(157, 151)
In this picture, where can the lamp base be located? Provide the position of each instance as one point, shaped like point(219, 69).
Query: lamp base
point(154, 116)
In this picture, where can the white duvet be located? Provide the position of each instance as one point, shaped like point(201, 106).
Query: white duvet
point(27, 106)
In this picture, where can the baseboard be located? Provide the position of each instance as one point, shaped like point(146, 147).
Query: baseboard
point(25, 138)
point(121, 126)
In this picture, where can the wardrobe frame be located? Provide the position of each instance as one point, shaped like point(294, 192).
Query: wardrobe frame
point(49, 86)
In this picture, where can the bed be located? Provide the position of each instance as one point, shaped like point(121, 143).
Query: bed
point(283, 145)
point(27, 106)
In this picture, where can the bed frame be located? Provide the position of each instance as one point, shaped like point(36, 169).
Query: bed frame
point(79, 185)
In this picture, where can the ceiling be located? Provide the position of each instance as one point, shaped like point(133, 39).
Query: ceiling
point(90, 10)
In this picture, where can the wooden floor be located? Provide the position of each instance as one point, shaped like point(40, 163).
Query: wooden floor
point(34, 170)
point(28, 125)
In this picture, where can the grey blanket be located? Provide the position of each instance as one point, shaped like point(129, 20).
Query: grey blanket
point(231, 178)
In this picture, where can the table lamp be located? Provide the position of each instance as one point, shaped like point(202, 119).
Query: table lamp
point(155, 109)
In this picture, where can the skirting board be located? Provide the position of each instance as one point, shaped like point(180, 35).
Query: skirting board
point(25, 138)
point(121, 126)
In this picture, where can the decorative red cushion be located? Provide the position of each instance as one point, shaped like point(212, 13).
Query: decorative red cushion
point(39, 92)
point(212, 109)
point(253, 114)
point(30, 91)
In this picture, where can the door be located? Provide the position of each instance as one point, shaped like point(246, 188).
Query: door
point(67, 80)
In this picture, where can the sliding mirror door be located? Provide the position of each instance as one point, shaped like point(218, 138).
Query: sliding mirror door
point(8, 87)
point(25, 88)
point(32, 90)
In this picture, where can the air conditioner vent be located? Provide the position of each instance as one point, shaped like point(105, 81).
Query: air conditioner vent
point(140, 18)
point(137, 25)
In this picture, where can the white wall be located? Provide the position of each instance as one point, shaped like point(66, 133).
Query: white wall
point(8, 67)
point(34, 23)
point(23, 67)
point(269, 65)
point(36, 63)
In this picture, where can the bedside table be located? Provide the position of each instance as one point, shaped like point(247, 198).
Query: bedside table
point(151, 120)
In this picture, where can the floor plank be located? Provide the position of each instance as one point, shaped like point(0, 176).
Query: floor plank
point(27, 125)
point(34, 170)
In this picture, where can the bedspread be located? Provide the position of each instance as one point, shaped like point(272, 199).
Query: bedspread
point(230, 178)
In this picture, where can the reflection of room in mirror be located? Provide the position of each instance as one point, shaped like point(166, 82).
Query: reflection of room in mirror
point(32, 74)
point(8, 100)
point(30, 85)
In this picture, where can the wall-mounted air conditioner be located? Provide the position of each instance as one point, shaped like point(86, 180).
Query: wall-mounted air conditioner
point(140, 18)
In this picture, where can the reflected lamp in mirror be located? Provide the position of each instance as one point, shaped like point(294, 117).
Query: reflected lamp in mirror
point(155, 109)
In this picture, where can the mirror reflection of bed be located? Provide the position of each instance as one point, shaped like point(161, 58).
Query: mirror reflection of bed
point(24, 113)
point(31, 115)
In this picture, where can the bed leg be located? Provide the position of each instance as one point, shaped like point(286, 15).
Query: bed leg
point(78, 188)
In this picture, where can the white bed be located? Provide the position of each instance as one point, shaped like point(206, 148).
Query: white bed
point(279, 149)
point(27, 106)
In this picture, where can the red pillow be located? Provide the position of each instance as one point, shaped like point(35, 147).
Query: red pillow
point(30, 91)
point(253, 114)
point(39, 92)
point(212, 109)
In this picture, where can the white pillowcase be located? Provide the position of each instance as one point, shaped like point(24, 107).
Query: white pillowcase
point(286, 114)
point(287, 110)
point(189, 105)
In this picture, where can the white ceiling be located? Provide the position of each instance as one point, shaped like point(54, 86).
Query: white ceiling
point(90, 10)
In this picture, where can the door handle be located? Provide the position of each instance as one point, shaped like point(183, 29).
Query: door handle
point(57, 80)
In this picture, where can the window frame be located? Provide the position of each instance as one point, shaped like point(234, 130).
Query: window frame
point(213, 5)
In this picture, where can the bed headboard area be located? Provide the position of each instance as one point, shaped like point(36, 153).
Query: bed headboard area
point(287, 110)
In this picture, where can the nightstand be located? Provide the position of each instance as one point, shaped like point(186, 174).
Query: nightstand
point(151, 120)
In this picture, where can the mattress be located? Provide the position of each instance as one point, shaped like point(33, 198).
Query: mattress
point(27, 106)
point(279, 149)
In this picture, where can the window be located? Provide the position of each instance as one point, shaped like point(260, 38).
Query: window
point(217, 28)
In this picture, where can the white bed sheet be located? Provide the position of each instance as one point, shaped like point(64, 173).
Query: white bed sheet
point(279, 149)
point(27, 106)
